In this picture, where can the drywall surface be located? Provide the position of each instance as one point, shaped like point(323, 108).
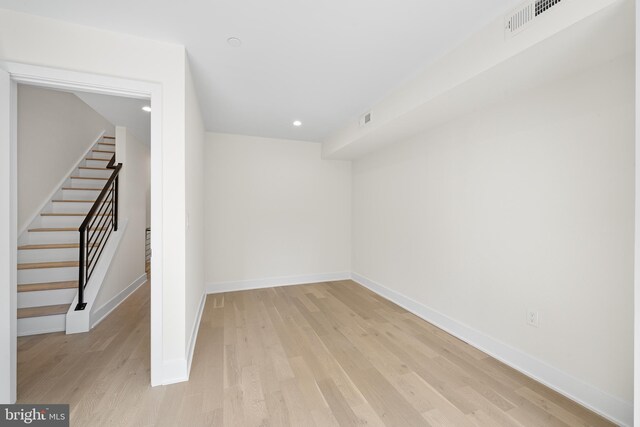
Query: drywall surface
point(55, 129)
point(122, 111)
point(194, 188)
point(483, 51)
point(8, 247)
point(45, 42)
point(636, 405)
point(128, 264)
point(274, 209)
point(526, 205)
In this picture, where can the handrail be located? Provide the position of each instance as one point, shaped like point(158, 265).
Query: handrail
point(105, 190)
point(92, 244)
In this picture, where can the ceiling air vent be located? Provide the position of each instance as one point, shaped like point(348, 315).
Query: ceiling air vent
point(365, 119)
point(543, 5)
point(525, 14)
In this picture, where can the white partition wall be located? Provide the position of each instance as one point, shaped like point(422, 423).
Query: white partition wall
point(69, 80)
point(8, 243)
point(636, 405)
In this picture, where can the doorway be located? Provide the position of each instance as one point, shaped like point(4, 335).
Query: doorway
point(12, 74)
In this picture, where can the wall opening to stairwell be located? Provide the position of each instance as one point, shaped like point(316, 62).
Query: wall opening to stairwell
point(69, 144)
point(63, 138)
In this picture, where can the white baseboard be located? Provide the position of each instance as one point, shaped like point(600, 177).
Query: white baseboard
point(245, 285)
point(178, 370)
point(194, 333)
point(601, 402)
point(175, 371)
point(101, 313)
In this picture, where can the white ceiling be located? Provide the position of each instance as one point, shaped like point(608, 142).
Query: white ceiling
point(121, 111)
point(322, 62)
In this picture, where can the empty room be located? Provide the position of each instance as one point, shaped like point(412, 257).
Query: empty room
point(294, 213)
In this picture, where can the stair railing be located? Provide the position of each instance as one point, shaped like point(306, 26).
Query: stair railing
point(147, 249)
point(96, 228)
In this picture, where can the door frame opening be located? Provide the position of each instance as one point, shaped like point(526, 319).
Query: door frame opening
point(86, 82)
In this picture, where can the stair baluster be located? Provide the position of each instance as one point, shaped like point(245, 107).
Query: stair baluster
point(96, 228)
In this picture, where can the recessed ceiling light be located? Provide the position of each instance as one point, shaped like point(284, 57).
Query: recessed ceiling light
point(297, 123)
point(146, 108)
point(234, 42)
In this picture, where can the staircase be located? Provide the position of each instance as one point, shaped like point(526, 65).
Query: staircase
point(48, 251)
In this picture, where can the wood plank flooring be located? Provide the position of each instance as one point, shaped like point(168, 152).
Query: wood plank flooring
point(328, 354)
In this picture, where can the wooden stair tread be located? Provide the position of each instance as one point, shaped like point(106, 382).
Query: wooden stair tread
point(107, 143)
point(47, 310)
point(82, 188)
point(50, 286)
point(108, 137)
point(90, 177)
point(103, 151)
point(69, 214)
point(56, 264)
point(53, 229)
point(49, 246)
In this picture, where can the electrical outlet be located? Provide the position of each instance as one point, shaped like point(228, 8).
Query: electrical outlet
point(532, 318)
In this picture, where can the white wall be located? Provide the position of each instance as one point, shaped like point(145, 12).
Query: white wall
point(8, 238)
point(194, 187)
point(637, 233)
point(524, 205)
point(128, 266)
point(122, 111)
point(274, 209)
point(55, 129)
point(45, 42)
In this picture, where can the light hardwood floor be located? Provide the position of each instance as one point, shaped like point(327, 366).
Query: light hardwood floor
point(314, 355)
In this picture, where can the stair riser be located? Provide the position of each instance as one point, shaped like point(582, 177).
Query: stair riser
point(47, 255)
point(94, 173)
point(33, 238)
point(96, 163)
point(41, 325)
point(44, 298)
point(69, 221)
point(106, 156)
point(61, 221)
point(87, 183)
point(58, 207)
point(106, 147)
point(79, 194)
point(42, 275)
